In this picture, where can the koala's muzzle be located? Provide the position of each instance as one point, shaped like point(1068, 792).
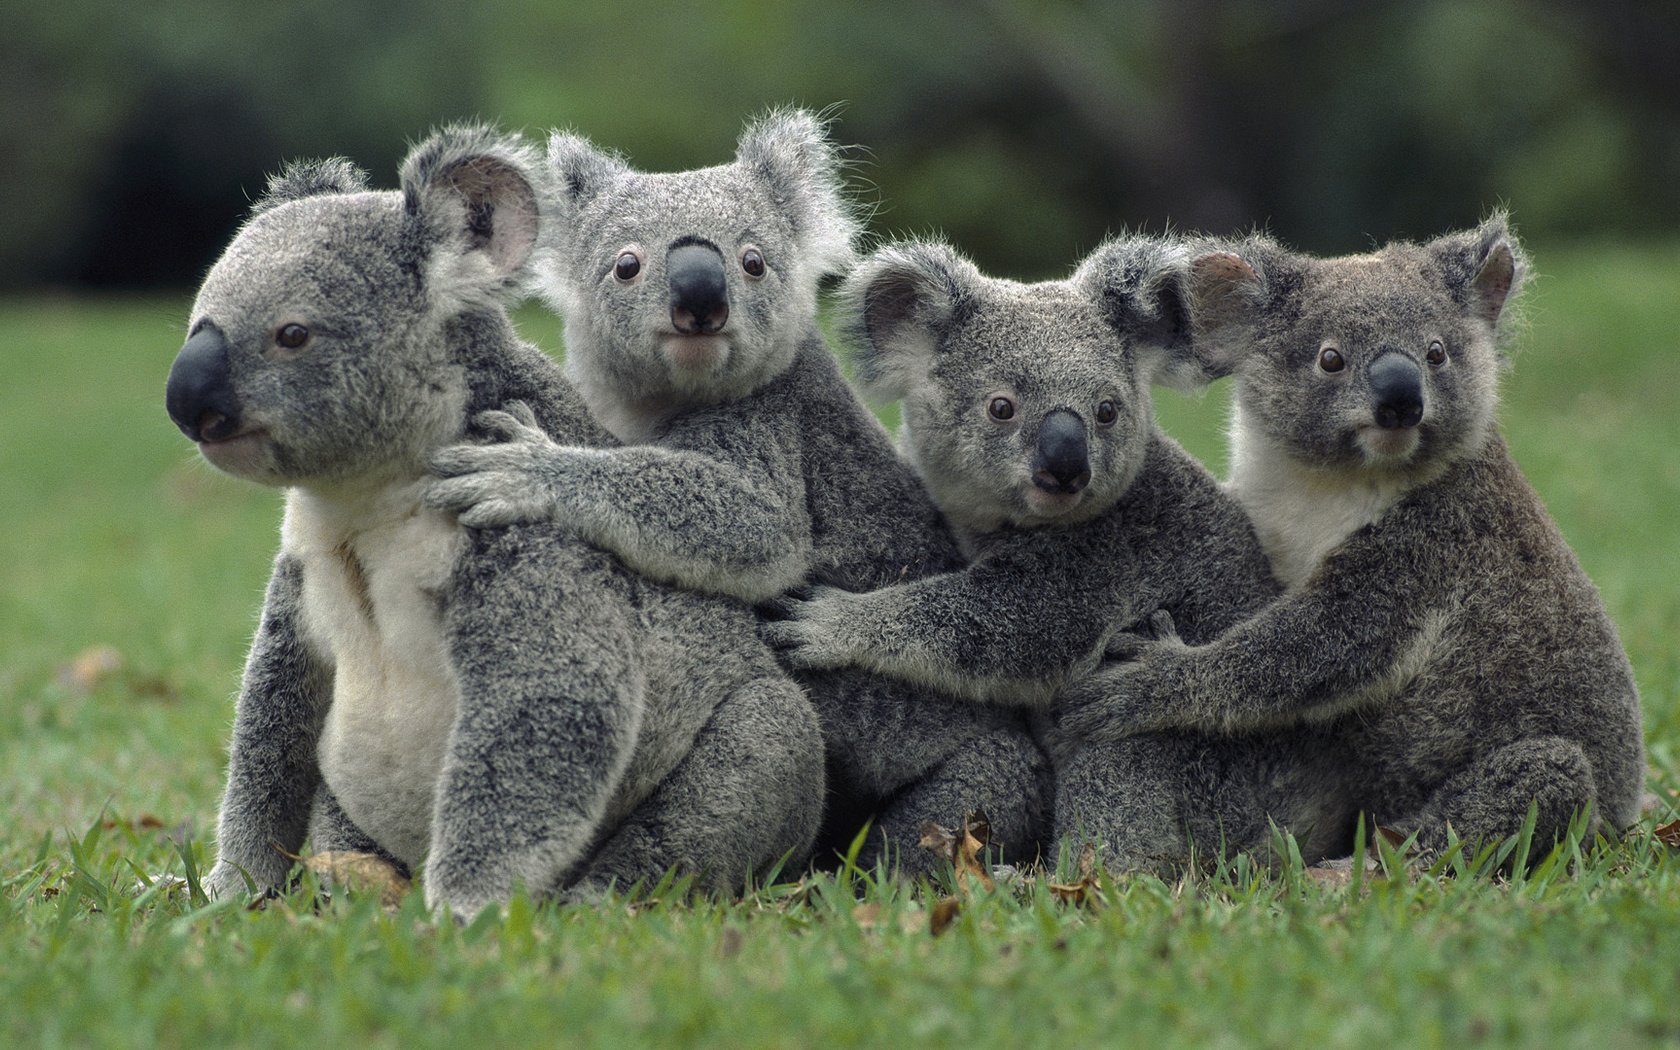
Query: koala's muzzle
point(1062, 458)
point(699, 289)
point(1397, 388)
point(200, 395)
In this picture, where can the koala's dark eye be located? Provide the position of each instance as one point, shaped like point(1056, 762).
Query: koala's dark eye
point(1001, 409)
point(1330, 359)
point(752, 261)
point(291, 336)
point(1107, 413)
point(629, 264)
point(1437, 353)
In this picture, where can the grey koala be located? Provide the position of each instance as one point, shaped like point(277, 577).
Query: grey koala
point(1436, 628)
point(1027, 410)
point(508, 707)
point(750, 466)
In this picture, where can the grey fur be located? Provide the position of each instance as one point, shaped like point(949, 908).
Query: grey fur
point(753, 466)
point(1054, 575)
point(1437, 632)
point(506, 707)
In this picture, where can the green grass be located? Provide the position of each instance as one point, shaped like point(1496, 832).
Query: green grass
point(117, 537)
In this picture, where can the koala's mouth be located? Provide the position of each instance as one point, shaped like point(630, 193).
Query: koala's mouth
point(241, 454)
point(1383, 446)
point(1053, 504)
point(695, 352)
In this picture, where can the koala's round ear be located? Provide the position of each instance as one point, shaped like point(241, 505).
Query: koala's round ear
point(789, 149)
point(1141, 287)
point(1226, 294)
point(474, 188)
point(580, 172)
point(310, 178)
point(897, 306)
point(1482, 268)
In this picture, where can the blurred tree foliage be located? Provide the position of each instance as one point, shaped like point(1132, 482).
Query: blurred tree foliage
point(130, 136)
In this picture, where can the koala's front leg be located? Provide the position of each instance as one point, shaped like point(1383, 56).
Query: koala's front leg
point(547, 660)
point(1344, 642)
point(720, 525)
point(272, 766)
point(956, 633)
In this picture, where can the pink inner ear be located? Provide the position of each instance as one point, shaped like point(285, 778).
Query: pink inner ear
point(1492, 282)
point(1227, 267)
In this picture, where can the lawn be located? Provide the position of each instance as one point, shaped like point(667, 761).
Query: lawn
point(133, 578)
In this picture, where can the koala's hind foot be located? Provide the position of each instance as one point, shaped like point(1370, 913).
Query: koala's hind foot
point(749, 794)
point(1489, 800)
point(1002, 773)
point(1158, 802)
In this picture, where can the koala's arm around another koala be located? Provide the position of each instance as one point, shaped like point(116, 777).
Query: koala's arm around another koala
point(1008, 629)
point(716, 507)
point(272, 766)
point(1361, 628)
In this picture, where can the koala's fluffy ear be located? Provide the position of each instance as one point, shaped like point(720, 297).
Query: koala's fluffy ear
point(1141, 287)
point(580, 171)
point(1482, 268)
point(1227, 291)
point(896, 306)
point(309, 178)
point(791, 151)
point(472, 191)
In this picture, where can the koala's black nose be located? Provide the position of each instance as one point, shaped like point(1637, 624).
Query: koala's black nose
point(699, 290)
point(1397, 387)
point(1062, 460)
point(200, 395)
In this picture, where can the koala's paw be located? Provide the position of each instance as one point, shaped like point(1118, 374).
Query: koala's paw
point(502, 483)
point(1102, 707)
point(463, 905)
point(804, 626)
point(225, 880)
point(1136, 642)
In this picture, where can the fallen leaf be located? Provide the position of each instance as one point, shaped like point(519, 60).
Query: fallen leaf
point(943, 914)
point(965, 850)
point(359, 873)
point(1668, 834)
point(970, 860)
point(867, 916)
point(938, 839)
point(1083, 890)
point(90, 668)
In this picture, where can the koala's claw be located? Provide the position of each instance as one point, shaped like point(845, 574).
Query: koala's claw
point(1132, 644)
point(785, 606)
point(513, 422)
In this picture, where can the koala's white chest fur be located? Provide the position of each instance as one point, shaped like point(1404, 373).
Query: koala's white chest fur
point(1301, 514)
point(374, 569)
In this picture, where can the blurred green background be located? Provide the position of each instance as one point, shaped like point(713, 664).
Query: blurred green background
point(131, 135)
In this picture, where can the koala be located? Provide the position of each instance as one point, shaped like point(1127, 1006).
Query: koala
point(505, 707)
point(749, 464)
point(1027, 411)
point(1436, 631)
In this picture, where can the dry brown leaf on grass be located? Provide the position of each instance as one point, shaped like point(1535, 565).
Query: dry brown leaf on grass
point(358, 873)
point(1668, 834)
point(88, 669)
point(943, 914)
point(1083, 890)
point(1339, 872)
point(965, 850)
point(867, 915)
